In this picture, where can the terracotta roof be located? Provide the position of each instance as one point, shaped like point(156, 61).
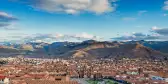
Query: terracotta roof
point(2, 77)
point(49, 82)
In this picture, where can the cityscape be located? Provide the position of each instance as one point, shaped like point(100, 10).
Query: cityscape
point(83, 42)
point(103, 71)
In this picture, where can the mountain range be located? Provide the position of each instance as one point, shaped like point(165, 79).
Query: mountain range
point(89, 49)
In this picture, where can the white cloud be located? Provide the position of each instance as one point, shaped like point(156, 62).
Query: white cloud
point(51, 37)
point(73, 6)
point(161, 31)
point(142, 12)
point(84, 35)
point(64, 37)
point(155, 28)
point(155, 33)
point(12, 26)
point(6, 20)
point(5, 14)
point(71, 11)
point(136, 36)
point(165, 5)
point(5, 17)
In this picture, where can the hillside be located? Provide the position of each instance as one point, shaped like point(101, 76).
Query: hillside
point(88, 49)
point(155, 45)
point(5, 52)
point(113, 50)
point(94, 49)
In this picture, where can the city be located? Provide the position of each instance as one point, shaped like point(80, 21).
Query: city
point(83, 41)
point(22, 70)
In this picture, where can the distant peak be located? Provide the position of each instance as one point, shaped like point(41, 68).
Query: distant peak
point(138, 45)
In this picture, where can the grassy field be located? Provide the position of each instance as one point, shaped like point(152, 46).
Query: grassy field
point(92, 81)
point(106, 81)
point(110, 82)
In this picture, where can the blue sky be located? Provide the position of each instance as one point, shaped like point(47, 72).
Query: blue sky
point(83, 19)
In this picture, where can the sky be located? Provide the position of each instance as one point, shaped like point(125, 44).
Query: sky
point(79, 20)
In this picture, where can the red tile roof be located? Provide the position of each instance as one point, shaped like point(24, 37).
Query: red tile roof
point(2, 77)
point(49, 82)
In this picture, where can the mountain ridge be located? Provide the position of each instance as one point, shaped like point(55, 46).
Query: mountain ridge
point(92, 49)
